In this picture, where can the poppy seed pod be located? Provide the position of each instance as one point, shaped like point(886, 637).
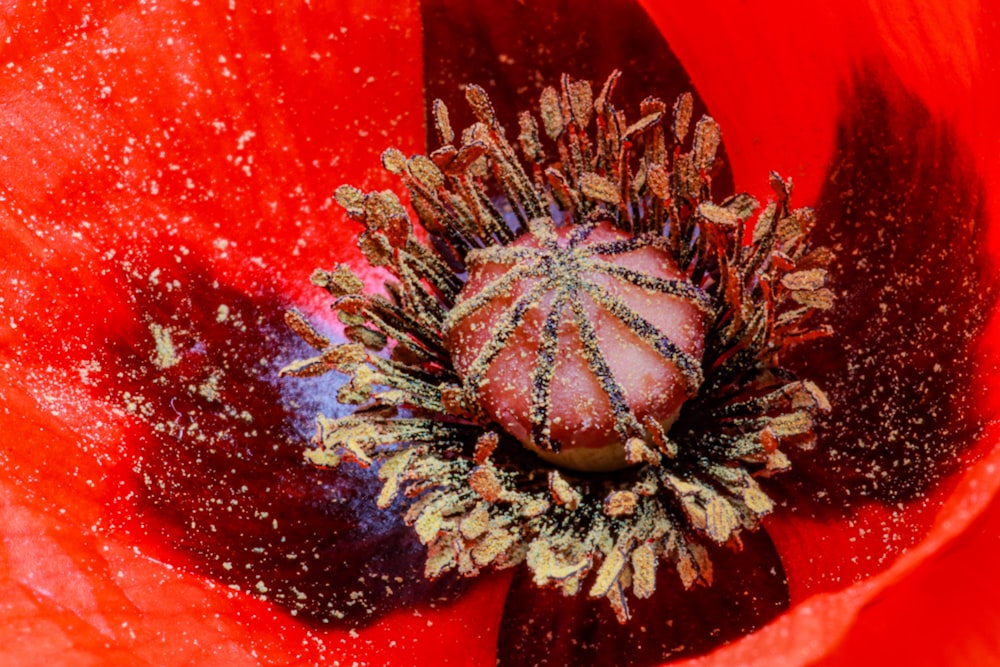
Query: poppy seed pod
point(569, 364)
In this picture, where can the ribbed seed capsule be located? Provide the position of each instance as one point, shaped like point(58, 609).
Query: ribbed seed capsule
point(569, 340)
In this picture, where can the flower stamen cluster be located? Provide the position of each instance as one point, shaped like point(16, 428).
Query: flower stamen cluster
point(474, 496)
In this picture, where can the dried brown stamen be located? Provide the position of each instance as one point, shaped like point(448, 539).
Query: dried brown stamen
point(472, 495)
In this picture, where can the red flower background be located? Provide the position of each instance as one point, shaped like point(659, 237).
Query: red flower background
point(165, 178)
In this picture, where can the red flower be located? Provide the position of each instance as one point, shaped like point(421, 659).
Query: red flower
point(165, 175)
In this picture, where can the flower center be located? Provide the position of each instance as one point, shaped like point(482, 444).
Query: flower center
point(570, 338)
point(642, 334)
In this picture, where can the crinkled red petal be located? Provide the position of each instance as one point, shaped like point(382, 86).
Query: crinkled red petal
point(166, 178)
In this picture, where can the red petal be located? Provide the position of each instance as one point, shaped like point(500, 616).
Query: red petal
point(833, 626)
point(214, 136)
point(770, 74)
point(775, 77)
point(946, 59)
point(206, 124)
point(960, 579)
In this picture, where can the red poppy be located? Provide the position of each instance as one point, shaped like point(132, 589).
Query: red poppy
point(166, 172)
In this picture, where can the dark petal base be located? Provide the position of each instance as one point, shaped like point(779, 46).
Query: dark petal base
point(903, 210)
point(542, 628)
point(514, 49)
point(217, 443)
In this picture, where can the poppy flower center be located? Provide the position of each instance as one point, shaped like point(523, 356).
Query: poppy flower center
point(599, 308)
point(569, 334)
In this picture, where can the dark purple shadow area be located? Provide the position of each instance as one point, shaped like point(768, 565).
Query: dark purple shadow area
point(218, 444)
point(541, 627)
point(903, 210)
point(516, 49)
